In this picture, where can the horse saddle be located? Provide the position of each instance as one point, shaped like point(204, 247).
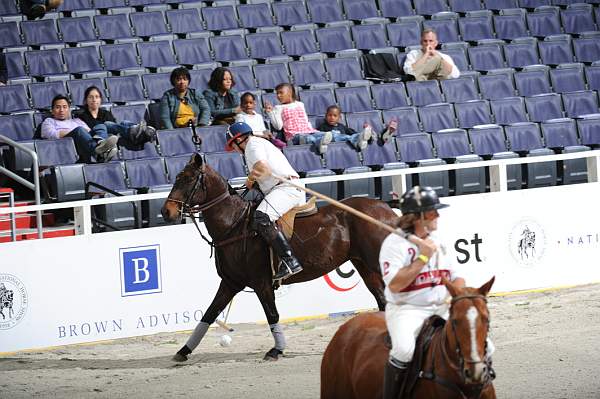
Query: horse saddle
point(286, 222)
point(429, 329)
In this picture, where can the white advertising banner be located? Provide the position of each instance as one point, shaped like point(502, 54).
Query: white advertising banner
point(88, 288)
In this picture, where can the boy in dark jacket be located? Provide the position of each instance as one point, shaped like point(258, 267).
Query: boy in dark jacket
point(342, 132)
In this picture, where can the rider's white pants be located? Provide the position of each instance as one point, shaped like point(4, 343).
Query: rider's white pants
point(281, 199)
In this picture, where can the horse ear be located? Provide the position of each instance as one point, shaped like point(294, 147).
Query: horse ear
point(197, 159)
point(449, 286)
point(485, 289)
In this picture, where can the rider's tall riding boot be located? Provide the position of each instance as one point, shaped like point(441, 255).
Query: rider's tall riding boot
point(393, 378)
point(289, 264)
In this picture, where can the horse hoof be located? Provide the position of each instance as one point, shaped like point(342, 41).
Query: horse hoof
point(178, 357)
point(273, 355)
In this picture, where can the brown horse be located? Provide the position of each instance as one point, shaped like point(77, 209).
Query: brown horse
point(322, 242)
point(452, 366)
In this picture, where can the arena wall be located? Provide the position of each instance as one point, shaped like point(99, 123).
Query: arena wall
point(113, 285)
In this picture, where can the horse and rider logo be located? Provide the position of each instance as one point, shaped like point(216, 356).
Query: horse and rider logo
point(13, 301)
point(527, 242)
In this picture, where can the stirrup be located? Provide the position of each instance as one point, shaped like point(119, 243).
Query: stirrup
point(289, 272)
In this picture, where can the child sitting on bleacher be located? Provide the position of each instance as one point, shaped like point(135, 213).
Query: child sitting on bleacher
point(255, 120)
point(290, 116)
point(342, 132)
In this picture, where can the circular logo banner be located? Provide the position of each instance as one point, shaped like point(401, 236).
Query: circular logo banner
point(13, 301)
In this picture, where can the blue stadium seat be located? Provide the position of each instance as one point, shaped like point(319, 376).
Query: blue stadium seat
point(124, 89)
point(299, 42)
point(213, 138)
point(462, 6)
point(317, 101)
point(111, 27)
point(184, 21)
point(45, 63)
point(13, 98)
point(531, 4)
point(531, 82)
point(356, 120)
point(8, 8)
point(341, 156)
point(403, 34)
point(146, 24)
point(437, 117)
point(255, 15)
point(220, 18)
point(396, 8)
point(343, 69)
point(499, 4)
point(567, 77)
point(200, 77)
point(460, 89)
point(175, 165)
point(415, 147)
point(77, 87)
point(592, 76)
point(475, 26)
point(589, 129)
point(459, 56)
point(109, 3)
point(508, 110)
point(488, 140)
point(10, 34)
point(521, 53)
point(472, 113)
point(496, 85)
point(302, 158)
point(56, 152)
point(579, 103)
point(18, 127)
point(587, 49)
point(77, 29)
point(577, 19)
point(451, 143)
point(561, 136)
point(42, 93)
point(408, 121)
point(354, 99)
point(264, 45)
point(228, 48)
point(288, 13)
point(358, 187)
point(379, 155)
point(510, 24)
point(156, 84)
point(133, 113)
point(524, 136)
point(119, 57)
point(543, 23)
point(227, 164)
point(389, 95)
point(445, 25)
point(244, 78)
point(82, 60)
point(360, 9)
point(192, 51)
point(369, 36)
point(308, 72)
point(486, 57)
point(156, 54)
point(542, 107)
point(175, 142)
point(148, 151)
point(322, 12)
point(149, 175)
point(269, 76)
point(430, 7)
point(334, 38)
point(42, 31)
point(556, 50)
point(424, 93)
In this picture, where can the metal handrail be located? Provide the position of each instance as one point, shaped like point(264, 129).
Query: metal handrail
point(11, 204)
point(35, 186)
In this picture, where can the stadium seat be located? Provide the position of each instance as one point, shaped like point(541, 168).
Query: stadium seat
point(77, 29)
point(487, 140)
point(108, 3)
point(157, 54)
point(369, 36)
point(17, 127)
point(567, 77)
point(175, 142)
point(322, 12)
point(220, 18)
point(486, 57)
point(124, 89)
point(10, 34)
point(403, 34)
point(340, 156)
point(544, 22)
point(460, 89)
point(228, 48)
point(147, 24)
point(476, 25)
point(132, 113)
point(148, 151)
point(508, 110)
point(119, 57)
point(415, 147)
point(587, 49)
point(227, 164)
point(64, 183)
point(592, 76)
point(308, 72)
point(149, 176)
point(213, 138)
point(472, 113)
point(496, 84)
point(531, 4)
point(430, 7)
point(299, 42)
point(379, 155)
point(580, 103)
point(356, 120)
point(184, 21)
point(42, 93)
point(264, 45)
point(111, 27)
point(445, 25)
point(437, 117)
point(510, 24)
point(424, 93)
point(269, 76)
point(589, 129)
point(83, 60)
point(354, 99)
point(255, 15)
point(556, 50)
point(175, 165)
point(407, 117)
point(360, 9)
point(156, 84)
point(8, 8)
point(334, 38)
point(459, 56)
point(499, 4)
point(41, 31)
point(396, 8)
point(542, 107)
point(577, 19)
point(389, 95)
point(521, 52)
point(288, 13)
point(192, 51)
point(533, 81)
point(343, 69)
point(302, 158)
point(244, 78)
point(45, 63)
point(13, 98)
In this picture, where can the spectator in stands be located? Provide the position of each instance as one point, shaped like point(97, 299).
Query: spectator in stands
point(37, 8)
point(290, 116)
point(132, 135)
point(183, 105)
point(222, 98)
point(428, 63)
point(342, 132)
point(255, 120)
point(87, 141)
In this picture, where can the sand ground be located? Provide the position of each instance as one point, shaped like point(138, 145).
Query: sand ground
point(546, 347)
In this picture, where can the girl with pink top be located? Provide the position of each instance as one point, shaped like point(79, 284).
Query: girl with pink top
point(290, 116)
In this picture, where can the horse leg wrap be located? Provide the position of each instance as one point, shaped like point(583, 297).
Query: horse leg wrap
point(197, 335)
point(277, 332)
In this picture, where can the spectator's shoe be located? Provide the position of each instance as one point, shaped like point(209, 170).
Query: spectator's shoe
point(37, 11)
point(142, 133)
point(364, 137)
point(327, 137)
point(391, 129)
point(109, 155)
point(104, 146)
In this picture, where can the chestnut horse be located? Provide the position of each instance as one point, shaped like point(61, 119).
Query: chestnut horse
point(321, 242)
point(452, 367)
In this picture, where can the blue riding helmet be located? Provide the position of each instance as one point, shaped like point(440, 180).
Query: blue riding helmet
point(420, 199)
point(235, 131)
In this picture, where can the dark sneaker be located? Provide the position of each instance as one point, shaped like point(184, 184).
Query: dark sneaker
point(37, 11)
point(106, 145)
